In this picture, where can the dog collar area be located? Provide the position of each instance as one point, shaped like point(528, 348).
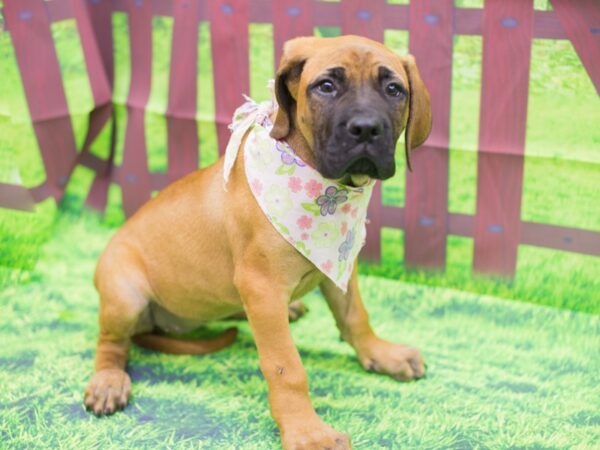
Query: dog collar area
point(322, 218)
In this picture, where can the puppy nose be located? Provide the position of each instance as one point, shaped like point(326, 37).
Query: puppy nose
point(364, 128)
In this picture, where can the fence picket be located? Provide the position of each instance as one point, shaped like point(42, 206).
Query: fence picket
point(135, 178)
point(42, 81)
point(425, 212)
point(507, 35)
point(89, 19)
point(229, 42)
point(582, 25)
point(181, 111)
point(291, 18)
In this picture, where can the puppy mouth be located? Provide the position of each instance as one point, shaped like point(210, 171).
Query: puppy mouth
point(354, 181)
point(359, 173)
point(363, 166)
point(361, 163)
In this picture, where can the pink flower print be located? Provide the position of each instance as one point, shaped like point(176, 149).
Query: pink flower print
point(304, 236)
point(304, 222)
point(346, 208)
point(313, 189)
point(257, 186)
point(327, 266)
point(295, 184)
point(344, 228)
point(354, 213)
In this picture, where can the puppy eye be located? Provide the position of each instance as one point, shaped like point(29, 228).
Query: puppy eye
point(393, 90)
point(326, 87)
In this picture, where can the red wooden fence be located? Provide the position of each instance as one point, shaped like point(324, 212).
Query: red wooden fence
point(507, 27)
point(426, 210)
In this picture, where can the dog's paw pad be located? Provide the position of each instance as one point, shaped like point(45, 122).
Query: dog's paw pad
point(400, 362)
point(107, 392)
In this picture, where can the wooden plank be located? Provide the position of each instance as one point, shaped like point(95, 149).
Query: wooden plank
point(37, 58)
point(183, 147)
point(100, 15)
point(181, 110)
point(58, 10)
point(99, 82)
point(229, 41)
point(396, 17)
point(42, 82)
point(167, 7)
point(547, 26)
point(467, 21)
point(365, 18)
point(136, 189)
point(461, 224)
point(392, 217)
point(431, 23)
point(581, 21)
point(575, 240)
point(507, 35)
point(13, 196)
point(291, 18)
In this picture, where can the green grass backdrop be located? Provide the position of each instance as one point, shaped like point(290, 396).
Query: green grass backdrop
point(512, 364)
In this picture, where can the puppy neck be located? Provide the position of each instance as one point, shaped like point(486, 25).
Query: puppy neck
point(297, 141)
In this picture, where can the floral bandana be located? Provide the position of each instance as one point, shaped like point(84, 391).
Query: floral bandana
point(322, 219)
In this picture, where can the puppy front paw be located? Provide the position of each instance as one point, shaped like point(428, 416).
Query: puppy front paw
point(398, 361)
point(313, 435)
point(107, 392)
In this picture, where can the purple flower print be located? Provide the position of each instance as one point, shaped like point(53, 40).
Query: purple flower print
point(332, 197)
point(346, 246)
point(288, 156)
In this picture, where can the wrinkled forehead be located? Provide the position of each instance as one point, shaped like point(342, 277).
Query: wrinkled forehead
point(360, 63)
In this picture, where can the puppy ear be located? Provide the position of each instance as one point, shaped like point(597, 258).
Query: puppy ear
point(419, 109)
point(295, 53)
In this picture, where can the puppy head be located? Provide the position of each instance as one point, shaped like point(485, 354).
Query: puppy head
point(350, 98)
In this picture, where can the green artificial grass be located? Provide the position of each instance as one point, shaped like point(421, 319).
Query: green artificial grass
point(501, 374)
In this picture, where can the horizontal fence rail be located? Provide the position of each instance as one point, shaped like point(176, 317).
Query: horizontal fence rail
point(467, 21)
point(506, 26)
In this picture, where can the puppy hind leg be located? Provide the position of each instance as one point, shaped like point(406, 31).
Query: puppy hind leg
point(121, 305)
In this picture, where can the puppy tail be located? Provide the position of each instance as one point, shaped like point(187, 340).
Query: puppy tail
point(175, 346)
